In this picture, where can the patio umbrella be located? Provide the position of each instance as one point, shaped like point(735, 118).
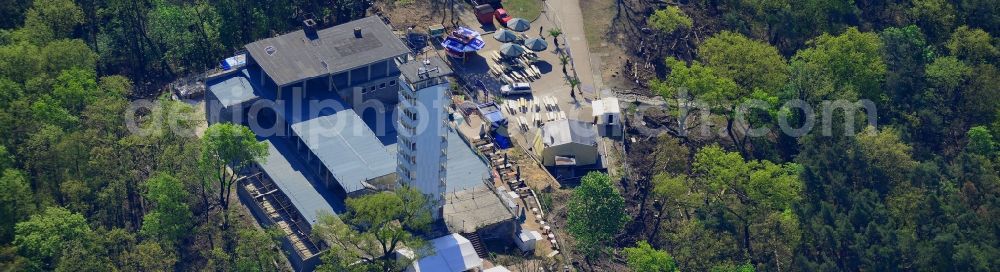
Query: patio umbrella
point(511, 50)
point(536, 44)
point(504, 35)
point(518, 24)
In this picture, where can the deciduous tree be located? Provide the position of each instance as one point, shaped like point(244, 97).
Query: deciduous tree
point(170, 219)
point(751, 64)
point(971, 44)
point(57, 17)
point(15, 202)
point(366, 237)
point(846, 66)
point(45, 236)
point(228, 149)
point(596, 213)
point(669, 19)
point(644, 257)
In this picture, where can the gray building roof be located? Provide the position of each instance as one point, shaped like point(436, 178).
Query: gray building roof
point(290, 179)
point(421, 69)
point(465, 169)
point(232, 89)
point(468, 210)
point(347, 147)
point(294, 57)
point(565, 131)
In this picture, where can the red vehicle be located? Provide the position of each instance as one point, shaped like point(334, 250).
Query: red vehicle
point(502, 17)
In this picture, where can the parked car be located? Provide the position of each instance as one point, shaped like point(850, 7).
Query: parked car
point(502, 17)
point(516, 88)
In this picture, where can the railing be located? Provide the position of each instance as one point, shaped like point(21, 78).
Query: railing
point(280, 203)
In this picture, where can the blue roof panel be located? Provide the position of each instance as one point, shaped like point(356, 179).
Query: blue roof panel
point(233, 89)
point(465, 169)
point(347, 147)
point(290, 177)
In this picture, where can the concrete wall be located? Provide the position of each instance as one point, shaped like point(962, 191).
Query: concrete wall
point(585, 154)
point(214, 111)
point(500, 233)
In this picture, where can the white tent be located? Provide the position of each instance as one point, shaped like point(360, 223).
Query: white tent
point(451, 253)
point(498, 268)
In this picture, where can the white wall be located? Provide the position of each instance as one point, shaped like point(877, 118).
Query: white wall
point(426, 171)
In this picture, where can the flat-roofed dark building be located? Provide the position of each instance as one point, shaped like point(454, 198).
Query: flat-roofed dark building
point(356, 57)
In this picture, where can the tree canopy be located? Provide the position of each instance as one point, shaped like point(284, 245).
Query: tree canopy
point(751, 64)
point(643, 257)
point(596, 213)
point(669, 19)
point(44, 237)
point(373, 229)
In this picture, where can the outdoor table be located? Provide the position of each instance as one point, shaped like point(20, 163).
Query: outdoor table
point(507, 79)
point(518, 75)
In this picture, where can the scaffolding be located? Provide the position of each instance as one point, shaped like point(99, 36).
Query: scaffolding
point(280, 212)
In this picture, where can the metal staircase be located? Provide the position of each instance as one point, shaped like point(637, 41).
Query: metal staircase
point(477, 243)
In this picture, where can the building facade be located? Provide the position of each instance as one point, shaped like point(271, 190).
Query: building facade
point(422, 130)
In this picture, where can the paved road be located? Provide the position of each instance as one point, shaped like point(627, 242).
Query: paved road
point(570, 18)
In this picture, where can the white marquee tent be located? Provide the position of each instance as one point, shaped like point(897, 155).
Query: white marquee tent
point(451, 253)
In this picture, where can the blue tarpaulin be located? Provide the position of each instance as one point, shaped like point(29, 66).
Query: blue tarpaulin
point(464, 40)
point(233, 62)
point(502, 141)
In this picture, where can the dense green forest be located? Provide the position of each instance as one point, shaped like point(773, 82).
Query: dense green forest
point(919, 192)
point(92, 184)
